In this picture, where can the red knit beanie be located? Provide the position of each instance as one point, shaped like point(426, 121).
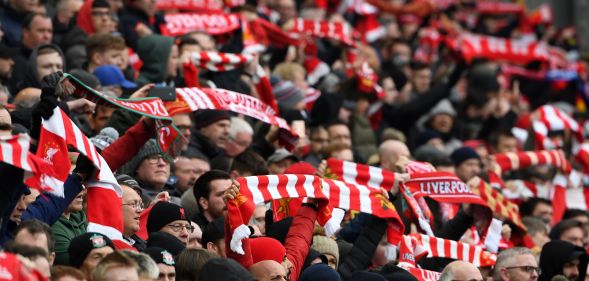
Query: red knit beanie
point(266, 248)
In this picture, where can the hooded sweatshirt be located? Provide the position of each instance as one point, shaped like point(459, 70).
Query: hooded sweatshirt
point(555, 254)
point(64, 230)
point(224, 270)
point(32, 78)
point(154, 51)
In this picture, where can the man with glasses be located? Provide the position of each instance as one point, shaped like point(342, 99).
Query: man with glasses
point(151, 170)
point(169, 218)
point(516, 264)
point(132, 208)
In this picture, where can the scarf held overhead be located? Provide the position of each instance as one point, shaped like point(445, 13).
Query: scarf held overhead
point(210, 23)
point(167, 134)
point(330, 193)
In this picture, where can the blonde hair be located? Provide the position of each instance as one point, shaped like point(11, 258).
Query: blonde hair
point(287, 70)
point(113, 260)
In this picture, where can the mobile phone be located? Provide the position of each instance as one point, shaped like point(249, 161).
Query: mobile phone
point(164, 93)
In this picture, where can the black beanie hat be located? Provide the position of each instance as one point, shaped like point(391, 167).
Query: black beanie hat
point(213, 231)
point(205, 117)
point(165, 241)
point(163, 213)
point(462, 154)
point(81, 246)
point(160, 255)
point(100, 4)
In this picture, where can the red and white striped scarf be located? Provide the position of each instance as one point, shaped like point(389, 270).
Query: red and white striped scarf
point(216, 61)
point(498, 203)
point(178, 24)
point(104, 193)
point(512, 161)
point(443, 248)
point(473, 46)
point(168, 136)
point(14, 150)
point(339, 31)
point(492, 7)
point(192, 99)
point(410, 252)
point(331, 193)
point(553, 119)
point(190, 5)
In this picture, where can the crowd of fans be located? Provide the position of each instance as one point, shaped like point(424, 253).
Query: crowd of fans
point(386, 100)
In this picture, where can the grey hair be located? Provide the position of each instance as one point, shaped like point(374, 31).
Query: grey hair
point(239, 125)
point(505, 258)
point(146, 267)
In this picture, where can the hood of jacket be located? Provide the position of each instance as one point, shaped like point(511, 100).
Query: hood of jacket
point(31, 76)
point(84, 18)
point(555, 254)
point(154, 51)
point(76, 220)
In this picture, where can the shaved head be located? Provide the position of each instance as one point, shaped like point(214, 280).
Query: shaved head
point(389, 153)
point(267, 270)
point(461, 270)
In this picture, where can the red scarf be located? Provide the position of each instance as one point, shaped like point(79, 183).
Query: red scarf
point(339, 31)
point(216, 61)
point(210, 23)
point(513, 161)
point(190, 5)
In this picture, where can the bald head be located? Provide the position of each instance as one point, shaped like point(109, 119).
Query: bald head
point(389, 153)
point(267, 270)
point(461, 270)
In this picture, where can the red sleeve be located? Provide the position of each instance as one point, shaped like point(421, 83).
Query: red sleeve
point(298, 239)
point(130, 143)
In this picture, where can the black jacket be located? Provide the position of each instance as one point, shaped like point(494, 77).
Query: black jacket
point(202, 146)
point(555, 254)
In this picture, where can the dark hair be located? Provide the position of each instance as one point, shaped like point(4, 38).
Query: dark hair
point(202, 186)
point(496, 136)
point(186, 40)
point(564, 226)
point(417, 65)
point(59, 271)
point(30, 252)
point(190, 262)
point(221, 163)
point(36, 226)
point(26, 24)
point(335, 123)
point(571, 213)
point(527, 207)
point(249, 162)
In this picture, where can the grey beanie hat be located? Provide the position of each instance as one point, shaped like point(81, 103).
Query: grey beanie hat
point(149, 148)
point(287, 94)
point(106, 137)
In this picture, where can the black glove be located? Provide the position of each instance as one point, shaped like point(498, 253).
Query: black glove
point(49, 83)
point(84, 167)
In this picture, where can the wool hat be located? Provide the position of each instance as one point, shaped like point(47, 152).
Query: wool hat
point(205, 117)
point(214, 231)
point(462, 154)
point(266, 248)
point(82, 245)
point(165, 241)
point(160, 255)
point(162, 214)
point(105, 137)
point(85, 77)
point(150, 148)
point(326, 245)
point(319, 272)
point(128, 181)
point(281, 154)
point(110, 75)
point(287, 94)
point(220, 269)
point(301, 168)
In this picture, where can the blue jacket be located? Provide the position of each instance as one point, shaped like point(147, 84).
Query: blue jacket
point(46, 208)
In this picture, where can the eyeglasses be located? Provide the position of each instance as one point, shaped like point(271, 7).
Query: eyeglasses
point(528, 269)
point(138, 205)
point(179, 227)
point(154, 159)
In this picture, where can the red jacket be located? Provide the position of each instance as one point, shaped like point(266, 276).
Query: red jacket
point(127, 146)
